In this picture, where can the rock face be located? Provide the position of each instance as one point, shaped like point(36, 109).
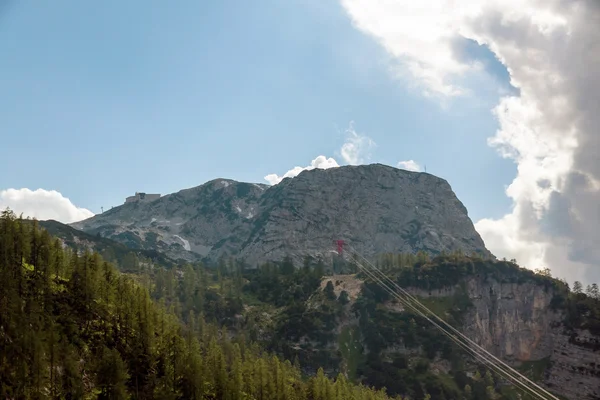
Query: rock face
point(513, 321)
point(374, 208)
point(207, 220)
point(516, 323)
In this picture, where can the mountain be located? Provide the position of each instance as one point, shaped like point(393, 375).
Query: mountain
point(110, 250)
point(375, 208)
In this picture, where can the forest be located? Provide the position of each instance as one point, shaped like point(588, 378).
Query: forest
point(74, 325)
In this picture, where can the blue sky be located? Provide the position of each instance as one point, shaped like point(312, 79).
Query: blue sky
point(102, 99)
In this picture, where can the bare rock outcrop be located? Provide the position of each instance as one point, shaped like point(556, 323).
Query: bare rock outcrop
point(517, 323)
point(374, 208)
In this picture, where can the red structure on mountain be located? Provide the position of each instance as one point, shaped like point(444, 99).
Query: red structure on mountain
point(340, 246)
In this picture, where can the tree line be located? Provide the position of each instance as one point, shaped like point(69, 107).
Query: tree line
point(73, 327)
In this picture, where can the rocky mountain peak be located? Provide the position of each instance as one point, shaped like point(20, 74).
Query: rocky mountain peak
point(375, 208)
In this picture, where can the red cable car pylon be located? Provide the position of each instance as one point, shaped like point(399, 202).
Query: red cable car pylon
point(340, 246)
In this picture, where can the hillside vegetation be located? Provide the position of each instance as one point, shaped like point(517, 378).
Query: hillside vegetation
point(304, 313)
point(75, 327)
point(72, 327)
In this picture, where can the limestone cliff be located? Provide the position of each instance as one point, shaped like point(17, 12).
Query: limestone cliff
point(518, 323)
point(375, 208)
point(517, 319)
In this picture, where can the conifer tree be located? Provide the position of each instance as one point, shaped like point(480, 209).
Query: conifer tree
point(112, 376)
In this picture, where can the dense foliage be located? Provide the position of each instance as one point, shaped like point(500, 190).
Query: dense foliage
point(75, 327)
point(446, 270)
point(72, 327)
point(301, 313)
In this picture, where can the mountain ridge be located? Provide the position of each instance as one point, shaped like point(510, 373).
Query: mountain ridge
point(111, 250)
point(375, 208)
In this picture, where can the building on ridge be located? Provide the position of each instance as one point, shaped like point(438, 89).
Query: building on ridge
point(140, 196)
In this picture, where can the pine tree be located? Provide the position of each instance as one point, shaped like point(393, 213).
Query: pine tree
point(112, 376)
point(594, 291)
point(236, 388)
point(71, 377)
point(468, 392)
point(344, 299)
point(489, 380)
point(329, 291)
point(287, 266)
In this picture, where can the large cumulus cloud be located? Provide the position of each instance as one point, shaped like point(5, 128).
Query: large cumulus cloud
point(550, 129)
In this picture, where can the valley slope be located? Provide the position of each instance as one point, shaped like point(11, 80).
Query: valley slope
point(345, 323)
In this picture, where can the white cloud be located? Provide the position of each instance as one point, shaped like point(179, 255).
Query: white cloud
point(549, 129)
point(42, 204)
point(409, 165)
point(355, 150)
point(417, 33)
point(319, 162)
point(508, 241)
